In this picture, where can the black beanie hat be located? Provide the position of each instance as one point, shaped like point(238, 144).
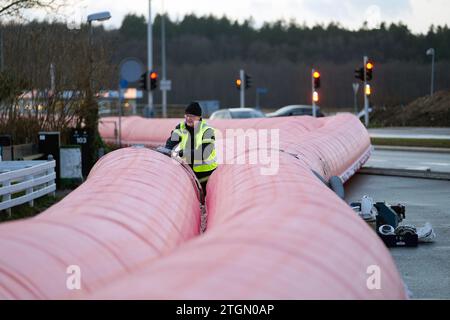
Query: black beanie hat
point(194, 109)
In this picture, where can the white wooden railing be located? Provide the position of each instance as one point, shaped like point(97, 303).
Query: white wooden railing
point(25, 181)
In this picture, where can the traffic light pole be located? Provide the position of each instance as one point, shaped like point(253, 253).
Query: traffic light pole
point(242, 76)
point(163, 57)
point(312, 94)
point(366, 97)
point(355, 96)
point(150, 58)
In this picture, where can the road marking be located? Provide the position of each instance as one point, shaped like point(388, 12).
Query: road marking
point(409, 136)
point(418, 168)
point(437, 163)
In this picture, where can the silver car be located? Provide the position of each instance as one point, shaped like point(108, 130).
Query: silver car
point(237, 113)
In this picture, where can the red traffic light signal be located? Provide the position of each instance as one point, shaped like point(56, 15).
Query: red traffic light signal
point(316, 80)
point(238, 84)
point(369, 70)
point(153, 80)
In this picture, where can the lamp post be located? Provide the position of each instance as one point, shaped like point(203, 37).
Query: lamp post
point(163, 58)
point(99, 16)
point(432, 52)
point(91, 115)
point(150, 111)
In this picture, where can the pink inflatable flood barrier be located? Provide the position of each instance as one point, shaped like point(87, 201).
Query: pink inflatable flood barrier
point(284, 235)
point(134, 207)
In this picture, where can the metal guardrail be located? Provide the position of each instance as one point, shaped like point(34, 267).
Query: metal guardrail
point(33, 178)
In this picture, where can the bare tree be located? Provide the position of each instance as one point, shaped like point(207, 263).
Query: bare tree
point(30, 96)
point(15, 7)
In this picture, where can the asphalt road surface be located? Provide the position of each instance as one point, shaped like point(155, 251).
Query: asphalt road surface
point(426, 269)
point(438, 162)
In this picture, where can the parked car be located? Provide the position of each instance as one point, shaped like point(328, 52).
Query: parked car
point(237, 113)
point(295, 110)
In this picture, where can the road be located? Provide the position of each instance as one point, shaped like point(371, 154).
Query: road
point(426, 269)
point(438, 162)
point(411, 133)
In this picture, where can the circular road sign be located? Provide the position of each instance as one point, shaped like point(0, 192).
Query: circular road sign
point(131, 69)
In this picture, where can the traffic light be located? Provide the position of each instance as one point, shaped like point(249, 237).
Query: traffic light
point(238, 84)
point(153, 80)
point(368, 90)
point(369, 69)
point(316, 77)
point(359, 74)
point(143, 82)
point(248, 81)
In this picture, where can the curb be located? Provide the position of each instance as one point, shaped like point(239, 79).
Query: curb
point(412, 149)
point(434, 175)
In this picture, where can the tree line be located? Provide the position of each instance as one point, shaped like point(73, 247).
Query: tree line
point(204, 55)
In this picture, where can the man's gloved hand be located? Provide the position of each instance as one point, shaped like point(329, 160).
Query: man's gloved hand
point(180, 153)
point(164, 151)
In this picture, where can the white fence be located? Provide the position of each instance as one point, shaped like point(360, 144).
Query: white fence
point(25, 181)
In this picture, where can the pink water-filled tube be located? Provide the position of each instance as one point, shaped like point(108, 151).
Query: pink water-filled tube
point(273, 231)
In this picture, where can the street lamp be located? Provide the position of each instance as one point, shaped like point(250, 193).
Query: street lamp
point(91, 120)
point(99, 16)
point(431, 52)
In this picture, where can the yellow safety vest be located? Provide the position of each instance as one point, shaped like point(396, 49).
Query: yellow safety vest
point(200, 165)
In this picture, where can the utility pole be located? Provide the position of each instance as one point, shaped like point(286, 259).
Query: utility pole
point(242, 77)
point(52, 78)
point(355, 96)
point(366, 97)
point(312, 94)
point(315, 85)
point(432, 52)
point(91, 59)
point(163, 55)
point(150, 111)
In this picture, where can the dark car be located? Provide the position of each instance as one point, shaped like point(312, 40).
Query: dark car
point(237, 113)
point(295, 110)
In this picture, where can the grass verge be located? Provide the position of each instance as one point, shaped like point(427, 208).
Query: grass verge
point(25, 211)
point(425, 143)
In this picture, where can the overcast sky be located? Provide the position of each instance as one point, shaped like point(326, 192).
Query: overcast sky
point(417, 14)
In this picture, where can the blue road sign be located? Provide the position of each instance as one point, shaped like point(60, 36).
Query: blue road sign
point(123, 84)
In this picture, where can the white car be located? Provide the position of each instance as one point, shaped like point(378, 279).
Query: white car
point(295, 110)
point(237, 113)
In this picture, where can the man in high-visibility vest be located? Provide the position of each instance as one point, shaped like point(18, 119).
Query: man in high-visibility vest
point(195, 142)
